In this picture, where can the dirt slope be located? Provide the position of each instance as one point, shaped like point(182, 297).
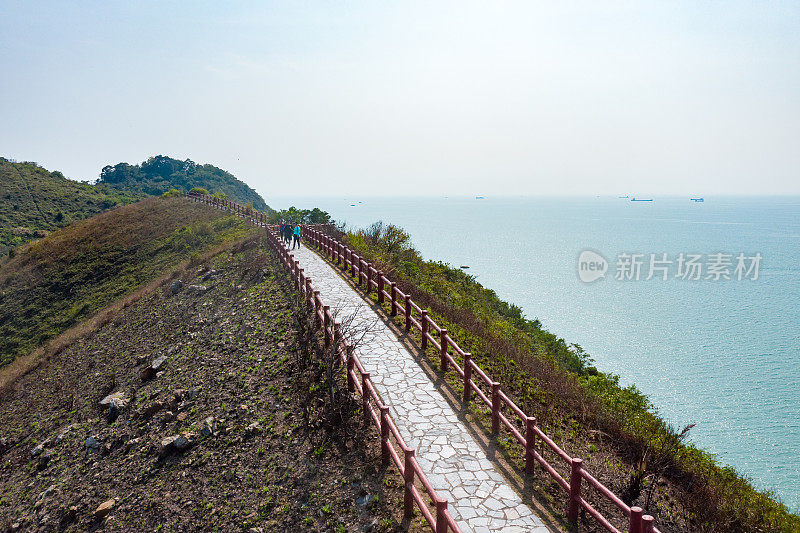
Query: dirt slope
point(229, 433)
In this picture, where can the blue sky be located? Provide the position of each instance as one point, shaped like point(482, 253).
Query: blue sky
point(421, 97)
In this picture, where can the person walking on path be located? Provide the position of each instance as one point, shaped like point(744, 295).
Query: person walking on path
point(287, 233)
point(296, 237)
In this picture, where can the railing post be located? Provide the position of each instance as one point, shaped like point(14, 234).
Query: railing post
point(308, 288)
point(326, 313)
point(408, 471)
point(339, 253)
point(360, 271)
point(365, 396)
point(298, 281)
point(337, 339)
point(316, 308)
point(574, 490)
point(530, 444)
point(408, 312)
point(351, 364)
point(495, 407)
point(352, 264)
point(441, 519)
point(467, 377)
point(647, 524)
point(380, 287)
point(369, 278)
point(424, 320)
point(393, 293)
point(384, 434)
point(443, 350)
point(635, 525)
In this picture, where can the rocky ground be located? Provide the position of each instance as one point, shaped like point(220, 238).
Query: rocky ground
point(200, 407)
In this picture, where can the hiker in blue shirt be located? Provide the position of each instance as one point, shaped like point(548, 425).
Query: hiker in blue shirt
point(296, 237)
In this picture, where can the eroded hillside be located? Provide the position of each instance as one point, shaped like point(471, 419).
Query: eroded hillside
point(213, 419)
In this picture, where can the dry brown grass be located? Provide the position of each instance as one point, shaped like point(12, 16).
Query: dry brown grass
point(22, 365)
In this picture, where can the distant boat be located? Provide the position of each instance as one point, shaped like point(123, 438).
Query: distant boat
point(626, 196)
point(641, 200)
point(352, 205)
point(464, 266)
point(479, 198)
point(697, 199)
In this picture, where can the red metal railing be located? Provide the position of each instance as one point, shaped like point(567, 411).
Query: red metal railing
point(495, 399)
point(358, 379)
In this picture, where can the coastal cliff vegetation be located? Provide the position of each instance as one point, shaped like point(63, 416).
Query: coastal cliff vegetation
point(589, 413)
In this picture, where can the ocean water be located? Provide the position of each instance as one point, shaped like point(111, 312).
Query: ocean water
point(722, 354)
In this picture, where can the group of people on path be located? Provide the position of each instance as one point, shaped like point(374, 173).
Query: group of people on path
point(289, 230)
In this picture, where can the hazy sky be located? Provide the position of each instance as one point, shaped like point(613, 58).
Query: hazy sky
point(418, 98)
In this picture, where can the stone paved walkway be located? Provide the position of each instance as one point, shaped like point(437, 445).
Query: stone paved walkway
point(479, 498)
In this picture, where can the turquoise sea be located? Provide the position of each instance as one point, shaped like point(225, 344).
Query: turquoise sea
point(723, 354)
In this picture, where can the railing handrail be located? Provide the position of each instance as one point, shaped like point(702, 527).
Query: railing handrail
point(340, 254)
point(440, 522)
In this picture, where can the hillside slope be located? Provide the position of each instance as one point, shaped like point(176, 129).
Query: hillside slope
point(230, 434)
point(159, 174)
point(34, 202)
point(56, 282)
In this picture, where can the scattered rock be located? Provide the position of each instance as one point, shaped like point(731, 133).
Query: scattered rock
point(209, 427)
point(242, 410)
point(104, 508)
point(155, 367)
point(159, 364)
point(151, 409)
point(141, 359)
point(252, 429)
point(364, 500)
point(105, 402)
point(92, 444)
point(39, 448)
point(61, 436)
point(183, 416)
point(199, 289)
point(192, 393)
point(176, 286)
point(47, 492)
point(174, 443)
point(114, 409)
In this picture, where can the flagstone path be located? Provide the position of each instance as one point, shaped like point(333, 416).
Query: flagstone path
point(479, 498)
